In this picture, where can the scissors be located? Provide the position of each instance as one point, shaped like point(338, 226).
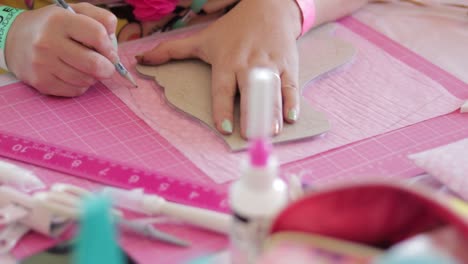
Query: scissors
point(64, 200)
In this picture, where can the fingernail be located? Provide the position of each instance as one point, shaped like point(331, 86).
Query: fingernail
point(292, 114)
point(276, 128)
point(113, 38)
point(139, 58)
point(105, 69)
point(114, 57)
point(226, 125)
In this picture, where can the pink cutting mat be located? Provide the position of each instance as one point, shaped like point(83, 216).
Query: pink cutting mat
point(97, 123)
point(100, 123)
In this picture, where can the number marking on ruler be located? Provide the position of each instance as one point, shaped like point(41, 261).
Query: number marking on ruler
point(107, 172)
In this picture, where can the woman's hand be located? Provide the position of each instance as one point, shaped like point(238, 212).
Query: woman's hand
point(61, 53)
point(256, 33)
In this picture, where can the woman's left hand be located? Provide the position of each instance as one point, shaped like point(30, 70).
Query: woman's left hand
point(256, 33)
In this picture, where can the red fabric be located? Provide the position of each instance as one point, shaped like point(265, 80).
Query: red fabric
point(378, 214)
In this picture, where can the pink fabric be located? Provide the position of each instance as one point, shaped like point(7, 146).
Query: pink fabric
point(151, 10)
point(447, 163)
point(439, 35)
point(307, 8)
point(375, 94)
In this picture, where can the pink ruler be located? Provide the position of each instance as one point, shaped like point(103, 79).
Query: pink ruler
point(108, 172)
point(96, 137)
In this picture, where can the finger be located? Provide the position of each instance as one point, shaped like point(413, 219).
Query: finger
point(85, 60)
point(106, 18)
point(53, 85)
point(173, 49)
point(91, 34)
point(277, 118)
point(291, 96)
point(72, 76)
point(62, 88)
point(223, 92)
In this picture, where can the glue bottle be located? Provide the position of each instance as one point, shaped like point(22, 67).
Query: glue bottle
point(258, 196)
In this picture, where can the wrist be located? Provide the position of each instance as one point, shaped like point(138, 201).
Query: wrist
point(7, 17)
point(287, 13)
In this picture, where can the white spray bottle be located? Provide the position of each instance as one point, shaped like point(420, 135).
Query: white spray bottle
point(258, 196)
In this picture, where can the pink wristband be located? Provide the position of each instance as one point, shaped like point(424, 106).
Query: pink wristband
point(307, 8)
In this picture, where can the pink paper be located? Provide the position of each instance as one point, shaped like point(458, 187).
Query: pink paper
point(448, 163)
point(372, 95)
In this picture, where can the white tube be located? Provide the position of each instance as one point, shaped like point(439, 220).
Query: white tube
point(204, 218)
point(137, 201)
point(19, 178)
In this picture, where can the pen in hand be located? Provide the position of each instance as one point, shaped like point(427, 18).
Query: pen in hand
point(118, 65)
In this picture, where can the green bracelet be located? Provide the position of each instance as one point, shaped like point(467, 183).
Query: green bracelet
point(7, 16)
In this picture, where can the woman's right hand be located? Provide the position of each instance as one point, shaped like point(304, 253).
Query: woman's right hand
point(61, 53)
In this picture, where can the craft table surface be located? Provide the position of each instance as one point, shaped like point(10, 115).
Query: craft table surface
point(369, 14)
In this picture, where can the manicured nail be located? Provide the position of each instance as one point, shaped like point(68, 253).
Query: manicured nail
point(226, 125)
point(113, 38)
point(276, 128)
point(292, 114)
point(139, 58)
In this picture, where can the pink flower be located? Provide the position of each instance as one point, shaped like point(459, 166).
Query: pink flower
point(151, 10)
